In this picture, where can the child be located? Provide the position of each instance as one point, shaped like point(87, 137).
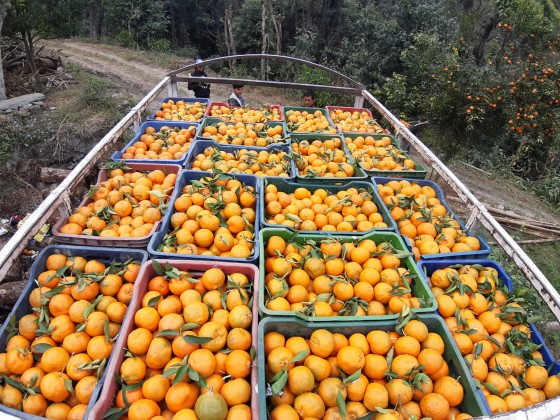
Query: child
point(236, 98)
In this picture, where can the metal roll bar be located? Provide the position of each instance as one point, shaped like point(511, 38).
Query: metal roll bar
point(59, 198)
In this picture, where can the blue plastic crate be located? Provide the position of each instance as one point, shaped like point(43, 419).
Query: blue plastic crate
point(382, 180)
point(185, 178)
point(484, 250)
point(428, 267)
point(199, 146)
point(157, 125)
point(22, 307)
point(203, 101)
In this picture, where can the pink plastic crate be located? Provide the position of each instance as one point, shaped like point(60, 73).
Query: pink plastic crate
point(137, 242)
point(197, 267)
point(209, 110)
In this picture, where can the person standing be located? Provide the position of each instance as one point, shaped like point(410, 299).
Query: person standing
point(200, 89)
point(236, 98)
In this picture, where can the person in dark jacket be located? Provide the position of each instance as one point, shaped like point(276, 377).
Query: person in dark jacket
point(236, 98)
point(200, 89)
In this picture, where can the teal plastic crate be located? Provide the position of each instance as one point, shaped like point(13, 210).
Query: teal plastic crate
point(331, 109)
point(359, 173)
point(291, 327)
point(289, 187)
point(419, 170)
point(302, 109)
point(418, 288)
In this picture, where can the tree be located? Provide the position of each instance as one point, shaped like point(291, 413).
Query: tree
point(4, 6)
point(95, 15)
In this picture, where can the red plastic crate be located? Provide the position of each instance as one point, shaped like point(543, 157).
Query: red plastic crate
point(212, 104)
point(127, 242)
point(110, 389)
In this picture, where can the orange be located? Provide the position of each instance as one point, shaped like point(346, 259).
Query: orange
point(376, 395)
point(309, 405)
point(321, 343)
point(300, 380)
point(143, 409)
point(350, 359)
point(435, 406)
point(399, 392)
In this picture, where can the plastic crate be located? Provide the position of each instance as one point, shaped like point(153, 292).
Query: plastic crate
point(419, 288)
point(196, 268)
point(440, 195)
point(311, 111)
point(419, 170)
point(426, 269)
point(223, 104)
point(214, 121)
point(126, 242)
point(22, 306)
point(185, 178)
point(200, 145)
point(157, 125)
point(484, 250)
point(332, 108)
point(290, 327)
point(359, 173)
point(202, 101)
point(289, 187)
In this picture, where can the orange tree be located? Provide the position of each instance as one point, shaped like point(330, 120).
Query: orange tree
point(494, 93)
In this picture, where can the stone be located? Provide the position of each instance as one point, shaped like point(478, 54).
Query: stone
point(20, 101)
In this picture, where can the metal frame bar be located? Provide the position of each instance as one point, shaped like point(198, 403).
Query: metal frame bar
point(479, 213)
point(60, 195)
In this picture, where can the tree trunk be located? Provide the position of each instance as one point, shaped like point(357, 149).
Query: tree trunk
point(228, 36)
point(2, 84)
point(478, 50)
point(4, 6)
point(29, 46)
point(173, 29)
point(96, 12)
point(264, 4)
point(277, 22)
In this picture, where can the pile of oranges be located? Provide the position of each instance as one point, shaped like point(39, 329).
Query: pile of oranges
point(263, 163)
point(395, 375)
point(351, 210)
point(490, 328)
point(214, 216)
point(191, 349)
point(322, 158)
point(355, 122)
point(422, 218)
point(169, 143)
point(181, 111)
point(308, 122)
point(330, 277)
point(56, 355)
point(128, 204)
point(246, 115)
point(241, 134)
point(379, 154)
